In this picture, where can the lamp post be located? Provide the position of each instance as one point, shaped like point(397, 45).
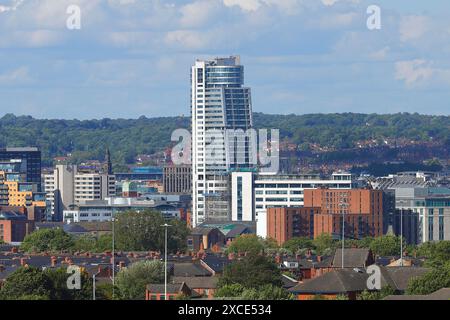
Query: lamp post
point(343, 205)
point(94, 285)
point(113, 254)
point(165, 259)
point(401, 231)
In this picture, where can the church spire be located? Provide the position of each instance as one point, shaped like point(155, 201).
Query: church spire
point(108, 164)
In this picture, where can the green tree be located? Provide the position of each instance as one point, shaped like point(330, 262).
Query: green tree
point(267, 292)
point(436, 253)
point(26, 282)
point(294, 245)
point(50, 240)
point(250, 243)
point(251, 271)
point(430, 282)
point(386, 245)
point(142, 231)
point(230, 290)
point(90, 243)
point(60, 291)
point(132, 280)
point(376, 295)
point(323, 243)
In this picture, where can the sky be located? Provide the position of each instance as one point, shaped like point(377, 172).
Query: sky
point(132, 57)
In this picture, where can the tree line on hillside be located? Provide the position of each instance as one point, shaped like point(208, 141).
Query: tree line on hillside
point(127, 138)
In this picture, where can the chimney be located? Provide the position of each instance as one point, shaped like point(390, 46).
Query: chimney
point(121, 265)
point(14, 250)
point(53, 261)
point(278, 259)
point(319, 258)
point(23, 262)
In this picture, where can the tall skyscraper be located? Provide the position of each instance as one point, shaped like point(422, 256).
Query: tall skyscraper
point(219, 104)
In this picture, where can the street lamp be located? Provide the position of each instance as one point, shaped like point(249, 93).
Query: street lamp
point(113, 254)
point(165, 259)
point(93, 285)
point(401, 231)
point(343, 205)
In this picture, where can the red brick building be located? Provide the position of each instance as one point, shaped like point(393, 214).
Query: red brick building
point(286, 223)
point(14, 226)
point(362, 210)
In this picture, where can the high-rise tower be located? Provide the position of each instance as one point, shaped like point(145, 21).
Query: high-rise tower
point(219, 104)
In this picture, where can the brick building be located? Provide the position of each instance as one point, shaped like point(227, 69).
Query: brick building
point(286, 223)
point(362, 210)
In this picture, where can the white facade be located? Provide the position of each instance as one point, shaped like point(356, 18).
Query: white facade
point(218, 102)
point(103, 210)
point(252, 194)
point(67, 186)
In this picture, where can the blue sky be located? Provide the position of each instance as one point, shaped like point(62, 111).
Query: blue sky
point(132, 57)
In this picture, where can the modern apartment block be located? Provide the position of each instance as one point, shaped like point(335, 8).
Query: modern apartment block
point(15, 190)
point(29, 160)
point(252, 194)
point(177, 179)
point(219, 103)
point(284, 224)
point(432, 204)
point(67, 186)
point(361, 209)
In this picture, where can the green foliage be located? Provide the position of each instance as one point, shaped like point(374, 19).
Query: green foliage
point(437, 253)
point(252, 271)
point(230, 290)
point(386, 245)
point(142, 231)
point(324, 243)
point(89, 243)
point(59, 277)
point(267, 292)
point(376, 295)
point(50, 240)
point(295, 245)
point(31, 283)
point(88, 139)
point(104, 291)
point(249, 243)
point(131, 281)
point(26, 281)
point(264, 292)
point(430, 282)
point(342, 297)
point(33, 297)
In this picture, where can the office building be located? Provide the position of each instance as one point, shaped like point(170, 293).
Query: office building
point(219, 103)
point(67, 187)
point(177, 179)
point(252, 194)
point(27, 160)
point(432, 204)
point(170, 207)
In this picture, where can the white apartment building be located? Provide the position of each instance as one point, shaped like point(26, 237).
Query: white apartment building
point(67, 187)
point(252, 193)
point(218, 102)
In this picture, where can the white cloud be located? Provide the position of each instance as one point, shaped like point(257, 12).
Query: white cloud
point(198, 13)
point(413, 27)
point(17, 76)
point(413, 72)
